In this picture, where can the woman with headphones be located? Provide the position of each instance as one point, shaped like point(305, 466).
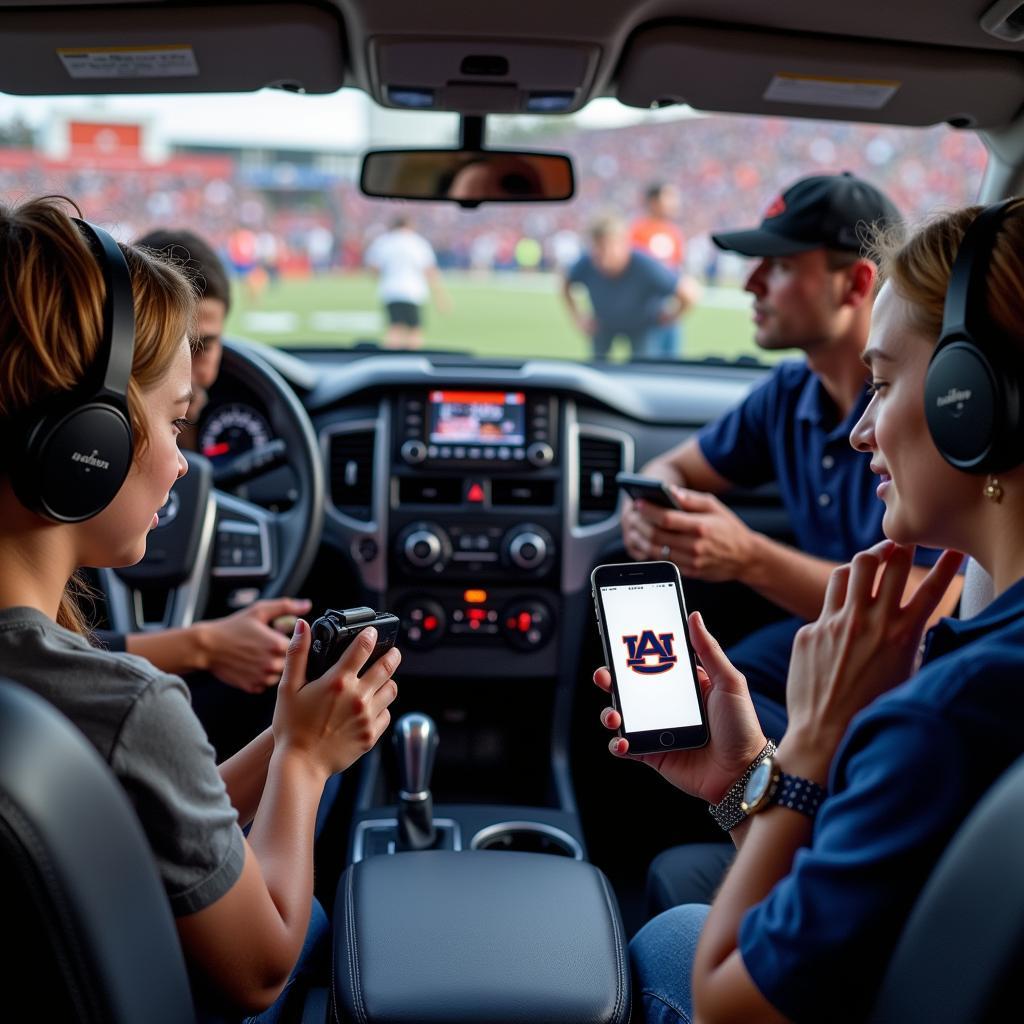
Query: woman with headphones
point(95, 381)
point(838, 829)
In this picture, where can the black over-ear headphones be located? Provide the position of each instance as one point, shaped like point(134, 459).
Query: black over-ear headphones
point(972, 390)
point(73, 455)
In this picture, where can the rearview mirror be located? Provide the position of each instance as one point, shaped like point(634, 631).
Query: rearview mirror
point(467, 176)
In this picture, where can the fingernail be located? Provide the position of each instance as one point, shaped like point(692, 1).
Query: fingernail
point(371, 634)
point(300, 627)
point(305, 602)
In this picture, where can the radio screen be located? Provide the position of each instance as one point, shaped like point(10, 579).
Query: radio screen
point(477, 417)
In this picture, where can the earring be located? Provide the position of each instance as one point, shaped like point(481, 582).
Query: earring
point(993, 490)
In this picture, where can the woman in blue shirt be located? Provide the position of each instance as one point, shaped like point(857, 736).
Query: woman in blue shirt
point(840, 829)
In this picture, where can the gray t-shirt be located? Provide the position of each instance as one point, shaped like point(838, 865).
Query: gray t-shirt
point(141, 722)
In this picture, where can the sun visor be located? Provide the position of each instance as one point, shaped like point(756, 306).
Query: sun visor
point(171, 48)
point(791, 75)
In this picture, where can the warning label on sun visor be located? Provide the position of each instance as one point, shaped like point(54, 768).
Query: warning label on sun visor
point(863, 93)
point(130, 62)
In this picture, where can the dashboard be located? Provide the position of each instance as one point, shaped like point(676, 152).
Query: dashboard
point(473, 500)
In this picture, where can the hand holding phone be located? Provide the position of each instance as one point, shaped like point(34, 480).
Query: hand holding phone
point(642, 619)
point(647, 488)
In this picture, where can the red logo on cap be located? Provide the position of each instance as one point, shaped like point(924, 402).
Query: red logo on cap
point(777, 207)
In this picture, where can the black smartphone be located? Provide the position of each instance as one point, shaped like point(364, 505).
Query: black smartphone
point(642, 620)
point(649, 488)
point(334, 631)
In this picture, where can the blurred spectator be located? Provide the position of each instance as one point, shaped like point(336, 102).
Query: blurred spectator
point(407, 272)
point(657, 234)
point(631, 294)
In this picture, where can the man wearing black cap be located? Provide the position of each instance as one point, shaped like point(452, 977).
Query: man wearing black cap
point(813, 289)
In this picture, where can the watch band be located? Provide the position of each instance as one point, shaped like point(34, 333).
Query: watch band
point(727, 812)
point(798, 794)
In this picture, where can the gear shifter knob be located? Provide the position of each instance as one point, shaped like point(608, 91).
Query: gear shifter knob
point(416, 742)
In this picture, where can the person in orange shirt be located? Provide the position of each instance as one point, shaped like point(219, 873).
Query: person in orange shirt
point(657, 234)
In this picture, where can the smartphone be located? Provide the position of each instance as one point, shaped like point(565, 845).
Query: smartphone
point(642, 620)
point(649, 488)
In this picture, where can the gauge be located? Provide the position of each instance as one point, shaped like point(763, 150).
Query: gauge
point(233, 429)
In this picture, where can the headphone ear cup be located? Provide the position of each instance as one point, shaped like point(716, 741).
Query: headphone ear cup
point(75, 462)
point(966, 406)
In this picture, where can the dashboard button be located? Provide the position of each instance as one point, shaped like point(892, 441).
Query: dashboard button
point(414, 452)
point(540, 454)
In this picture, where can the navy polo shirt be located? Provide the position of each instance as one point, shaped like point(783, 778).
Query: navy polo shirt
point(630, 301)
point(911, 767)
point(786, 430)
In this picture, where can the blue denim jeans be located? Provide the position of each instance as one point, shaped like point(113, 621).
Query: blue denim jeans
point(312, 962)
point(662, 953)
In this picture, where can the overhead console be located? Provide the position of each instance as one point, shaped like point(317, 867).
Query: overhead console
point(807, 75)
point(481, 75)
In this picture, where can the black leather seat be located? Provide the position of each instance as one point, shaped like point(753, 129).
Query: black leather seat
point(90, 936)
point(960, 957)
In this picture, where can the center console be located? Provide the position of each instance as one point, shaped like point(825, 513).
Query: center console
point(472, 913)
point(475, 512)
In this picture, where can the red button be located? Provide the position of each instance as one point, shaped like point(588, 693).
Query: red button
point(476, 493)
point(430, 623)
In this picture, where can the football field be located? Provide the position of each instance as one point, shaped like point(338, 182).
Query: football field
point(511, 314)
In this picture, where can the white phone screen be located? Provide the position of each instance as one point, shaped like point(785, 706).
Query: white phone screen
point(644, 627)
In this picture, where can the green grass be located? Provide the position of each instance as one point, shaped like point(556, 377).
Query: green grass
point(514, 315)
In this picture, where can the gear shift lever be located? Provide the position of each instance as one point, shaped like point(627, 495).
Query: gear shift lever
point(416, 743)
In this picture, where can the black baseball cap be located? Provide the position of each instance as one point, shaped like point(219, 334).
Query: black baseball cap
point(827, 211)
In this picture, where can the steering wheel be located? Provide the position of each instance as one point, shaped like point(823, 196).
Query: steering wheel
point(206, 532)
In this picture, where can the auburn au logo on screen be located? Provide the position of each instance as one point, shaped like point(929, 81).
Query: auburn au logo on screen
point(649, 653)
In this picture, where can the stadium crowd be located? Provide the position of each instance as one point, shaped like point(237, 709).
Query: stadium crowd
point(298, 220)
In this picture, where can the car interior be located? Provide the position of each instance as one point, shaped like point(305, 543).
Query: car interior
point(511, 893)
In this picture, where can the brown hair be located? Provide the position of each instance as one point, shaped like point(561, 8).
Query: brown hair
point(919, 269)
point(51, 316)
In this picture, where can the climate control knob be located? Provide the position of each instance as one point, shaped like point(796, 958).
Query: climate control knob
point(527, 624)
point(423, 624)
point(528, 550)
point(425, 546)
point(528, 547)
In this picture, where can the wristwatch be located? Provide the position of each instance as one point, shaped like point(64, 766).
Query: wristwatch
point(768, 785)
point(727, 812)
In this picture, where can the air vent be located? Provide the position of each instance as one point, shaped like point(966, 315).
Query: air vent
point(351, 466)
point(432, 491)
point(600, 460)
point(522, 492)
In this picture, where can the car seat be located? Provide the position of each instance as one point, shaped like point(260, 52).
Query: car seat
point(960, 956)
point(90, 935)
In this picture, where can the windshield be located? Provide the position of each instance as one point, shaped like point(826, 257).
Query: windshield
point(271, 180)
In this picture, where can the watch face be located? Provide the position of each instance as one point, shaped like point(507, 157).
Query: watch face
point(757, 785)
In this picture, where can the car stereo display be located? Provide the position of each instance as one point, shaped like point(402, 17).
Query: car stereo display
point(477, 417)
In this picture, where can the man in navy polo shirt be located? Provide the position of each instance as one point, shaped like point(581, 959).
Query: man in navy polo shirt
point(631, 294)
point(813, 289)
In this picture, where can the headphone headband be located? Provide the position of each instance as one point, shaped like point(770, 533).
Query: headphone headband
point(974, 383)
point(962, 313)
point(113, 365)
